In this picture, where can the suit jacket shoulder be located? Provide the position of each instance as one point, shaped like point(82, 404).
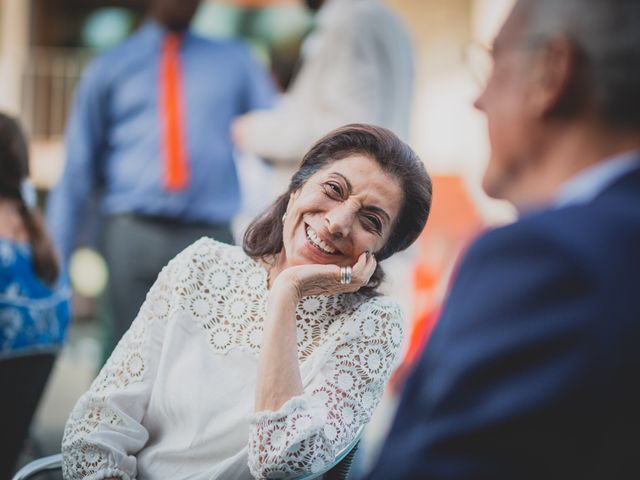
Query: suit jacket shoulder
point(530, 372)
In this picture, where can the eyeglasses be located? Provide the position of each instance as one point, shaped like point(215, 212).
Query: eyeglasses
point(480, 58)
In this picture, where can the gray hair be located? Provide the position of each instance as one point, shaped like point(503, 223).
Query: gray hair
point(607, 34)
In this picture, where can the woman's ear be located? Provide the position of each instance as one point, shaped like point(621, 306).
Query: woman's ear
point(292, 197)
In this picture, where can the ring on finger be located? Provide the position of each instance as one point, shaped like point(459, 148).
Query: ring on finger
point(345, 275)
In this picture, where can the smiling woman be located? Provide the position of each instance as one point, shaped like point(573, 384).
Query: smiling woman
point(263, 362)
point(359, 177)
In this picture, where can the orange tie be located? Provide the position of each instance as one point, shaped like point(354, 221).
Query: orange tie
point(176, 175)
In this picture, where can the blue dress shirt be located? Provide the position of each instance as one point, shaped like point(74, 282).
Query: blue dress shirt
point(114, 143)
point(32, 315)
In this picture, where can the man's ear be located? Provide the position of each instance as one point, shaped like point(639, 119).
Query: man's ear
point(554, 71)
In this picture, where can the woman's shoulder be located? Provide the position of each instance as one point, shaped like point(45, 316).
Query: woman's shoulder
point(32, 314)
point(18, 279)
point(12, 251)
point(207, 253)
point(15, 264)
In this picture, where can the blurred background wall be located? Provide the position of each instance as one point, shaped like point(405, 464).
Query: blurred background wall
point(44, 44)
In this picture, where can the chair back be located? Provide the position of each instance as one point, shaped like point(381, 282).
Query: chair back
point(339, 470)
point(343, 467)
point(52, 463)
point(23, 376)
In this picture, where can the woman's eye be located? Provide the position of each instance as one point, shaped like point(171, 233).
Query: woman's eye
point(334, 188)
point(374, 222)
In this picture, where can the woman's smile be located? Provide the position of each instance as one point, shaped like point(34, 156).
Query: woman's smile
point(316, 241)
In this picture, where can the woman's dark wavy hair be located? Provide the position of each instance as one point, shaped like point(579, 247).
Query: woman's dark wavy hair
point(14, 168)
point(263, 237)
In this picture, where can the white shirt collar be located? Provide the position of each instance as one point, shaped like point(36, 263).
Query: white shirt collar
point(590, 182)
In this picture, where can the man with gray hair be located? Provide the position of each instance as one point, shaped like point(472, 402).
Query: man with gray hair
point(532, 370)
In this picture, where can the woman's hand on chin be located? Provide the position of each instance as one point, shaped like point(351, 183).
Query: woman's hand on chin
point(317, 279)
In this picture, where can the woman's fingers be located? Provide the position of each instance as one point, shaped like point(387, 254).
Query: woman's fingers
point(317, 279)
point(362, 270)
point(371, 265)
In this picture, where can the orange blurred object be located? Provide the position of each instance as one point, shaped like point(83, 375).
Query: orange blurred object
point(453, 221)
point(452, 212)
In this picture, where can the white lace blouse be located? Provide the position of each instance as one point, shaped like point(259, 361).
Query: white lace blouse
point(175, 400)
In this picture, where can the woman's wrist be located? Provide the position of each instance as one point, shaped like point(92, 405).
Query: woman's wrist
point(284, 289)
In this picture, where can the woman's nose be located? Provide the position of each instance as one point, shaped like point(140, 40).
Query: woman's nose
point(339, 220)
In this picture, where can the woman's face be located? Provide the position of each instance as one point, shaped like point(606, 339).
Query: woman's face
point(344, 209)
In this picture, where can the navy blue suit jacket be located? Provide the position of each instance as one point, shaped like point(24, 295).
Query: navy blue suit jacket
point(533, 371)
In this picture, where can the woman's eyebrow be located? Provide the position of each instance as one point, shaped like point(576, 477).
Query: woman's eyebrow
point(346, 180)
point(371, 208)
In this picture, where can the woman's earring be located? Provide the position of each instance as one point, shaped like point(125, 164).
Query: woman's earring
point(284, 217)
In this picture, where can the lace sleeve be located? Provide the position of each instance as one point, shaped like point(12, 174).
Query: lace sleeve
point(104, 433)
point(305, 434)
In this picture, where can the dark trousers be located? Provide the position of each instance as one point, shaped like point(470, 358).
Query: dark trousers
point(136, 248)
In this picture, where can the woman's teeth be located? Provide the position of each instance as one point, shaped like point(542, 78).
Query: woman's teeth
point(316, 241)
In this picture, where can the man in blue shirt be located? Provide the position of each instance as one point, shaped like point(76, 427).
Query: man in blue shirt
point(149, 135)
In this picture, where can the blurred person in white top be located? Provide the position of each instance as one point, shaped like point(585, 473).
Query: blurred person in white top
point(357, 66)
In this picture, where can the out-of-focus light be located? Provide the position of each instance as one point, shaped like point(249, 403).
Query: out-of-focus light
point(88, 272)
point(107, 27)
point(260, 3)
point(216, 20)
point(282, 22)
